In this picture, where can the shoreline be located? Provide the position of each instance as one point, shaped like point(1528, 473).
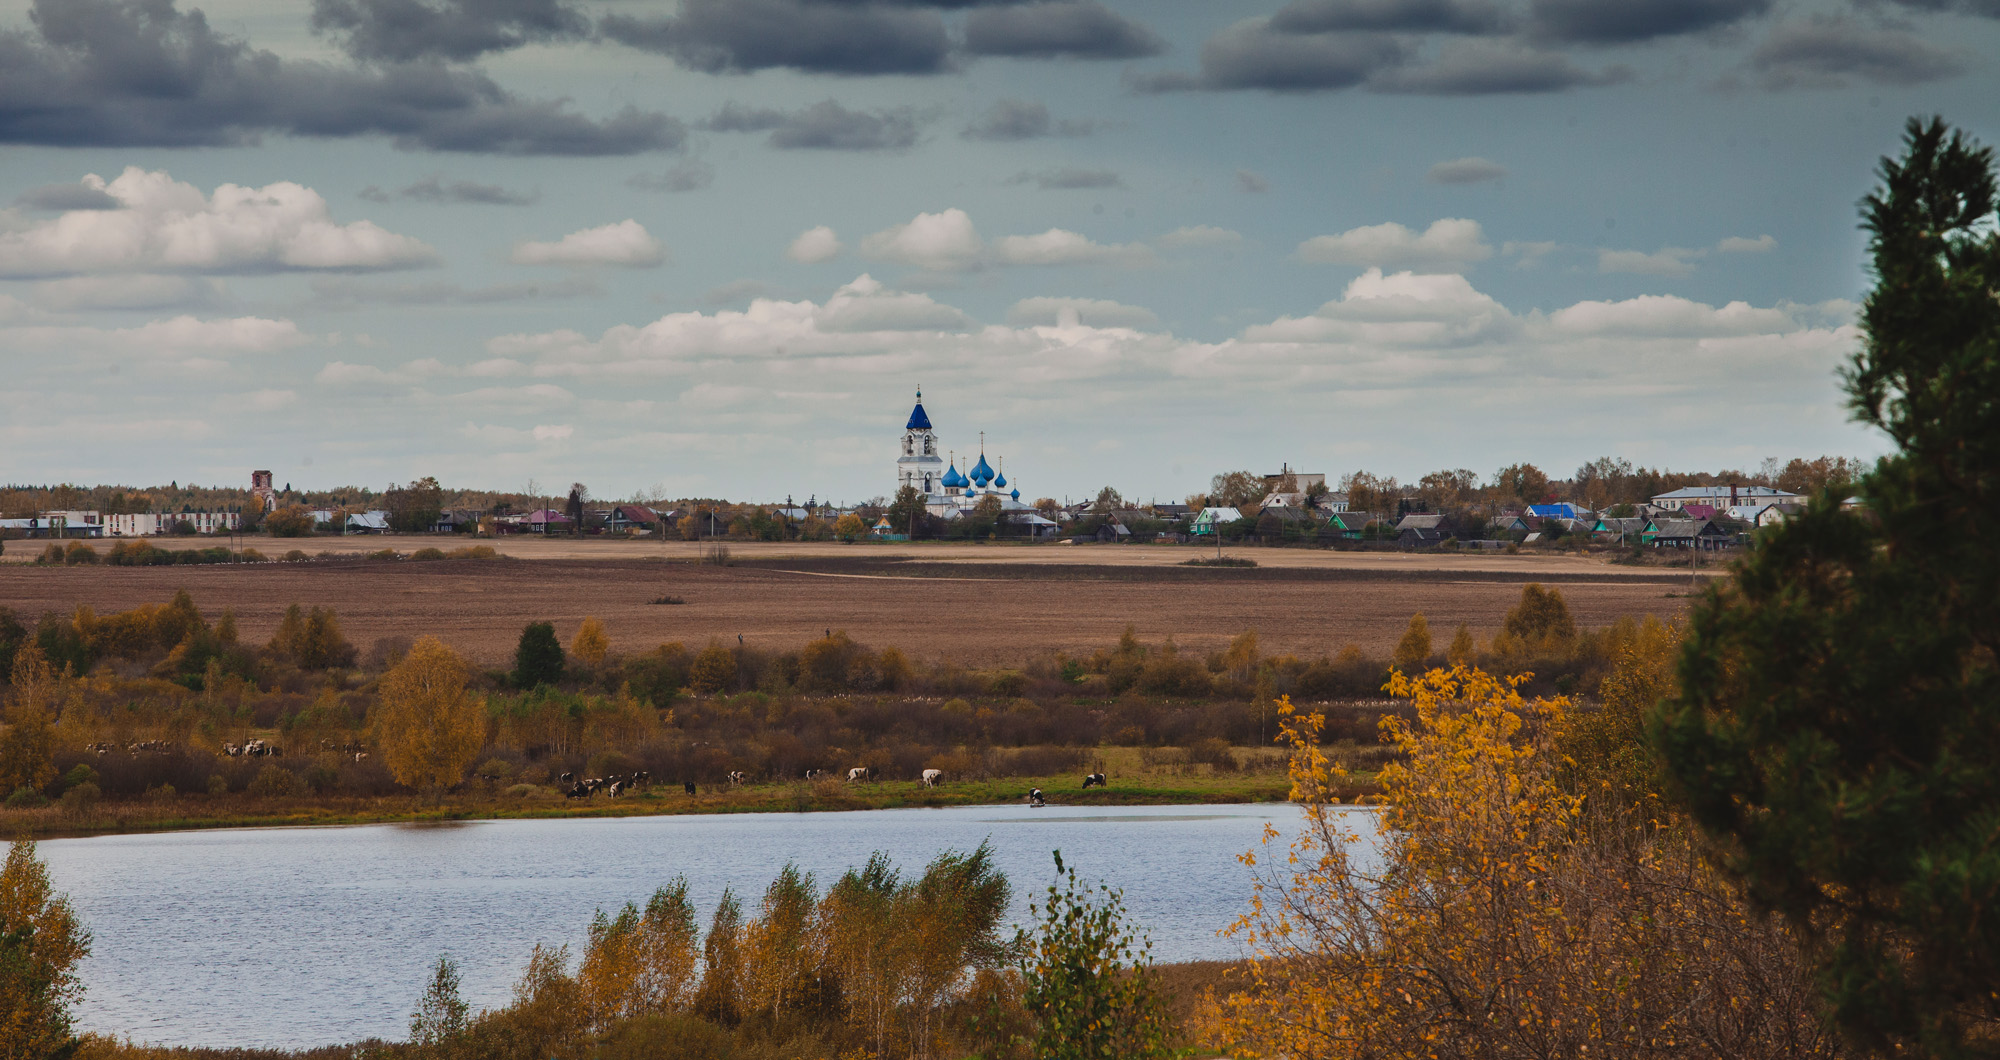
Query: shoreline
point(186, 816)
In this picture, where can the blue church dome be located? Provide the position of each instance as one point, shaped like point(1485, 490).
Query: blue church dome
point(918, 420)
point(981, 473)
point(1016, 495)
point(1000, 480)
point(952, 479)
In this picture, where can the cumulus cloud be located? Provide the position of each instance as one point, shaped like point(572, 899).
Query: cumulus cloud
point(945, 241)
point(131, 73)
point(1668, 316)
point(453, 30)
point(1062, 247)
point(62, 198)
point(717, 36)
point(625, 243)
point(1448, 243)
point(434, 189)
point(1398, 16)
point(1667, 261)
point(1081, 29)
point(1484, 68)
point(691, 175)
point(865, 306)
point(1019, 119)
point(814, 245)
point(1466, 171)
point(175, 338)
point(1829, 52)
point(164, 225)
point(1068, 178)
point(1074, 312)
point(825, 125)
point(1252, 55)
point(1746, 245)
point(1398, 310)
point(1629, 21)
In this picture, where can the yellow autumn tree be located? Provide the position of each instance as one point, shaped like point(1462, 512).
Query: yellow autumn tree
point(641, 961)
point(1415, 647)
point(429, 728)
point(1462, 652)
point(1491, 911)
point(590, 643)
point(41, 942)
point(27, 749)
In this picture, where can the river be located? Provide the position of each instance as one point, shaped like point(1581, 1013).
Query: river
point(291, 937)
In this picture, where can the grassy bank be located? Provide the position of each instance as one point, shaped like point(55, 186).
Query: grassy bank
point(181, 813)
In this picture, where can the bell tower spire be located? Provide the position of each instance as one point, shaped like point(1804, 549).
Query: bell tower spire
point(917, 465)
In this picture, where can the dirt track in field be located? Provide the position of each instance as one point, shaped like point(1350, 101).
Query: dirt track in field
point(979, 607)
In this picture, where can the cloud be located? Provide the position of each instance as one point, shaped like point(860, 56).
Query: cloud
point(453, 30)
point(1828, 52)
point(1630, 21)
point(1196, 236)
point(1667, 261)
point(346, 292)
point(825, 125)
point(1251, 55)
point(269, 400)
point(691, 175)
point(433, 189)
point(62, 198)
point(944, 241)
point(1396, 16)
point(736, 36)
point(625, 243)
point(1985, 8)
point(1062, 247)
point(1080, 29)
point(1448, 243)
point(1490, 68)
point(1745, 245)
point(1466, 171)
point(1251, 182)
point(1073, 312)
point(187, 334)
point(737, 292)
point(1018, 119)
point(164, 225)
point(813, 246)
point(1668, 316)
point(864, 306)
point(140, 73)
point(1068, 178)
point(1402, 309)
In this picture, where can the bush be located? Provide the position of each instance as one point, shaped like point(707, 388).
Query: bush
point(24, 797)
point(297, 555)
point(524, 791)
point(494, 769)
point(79, 553)
point(385, 555)
point(275, 781)
point(80, 803)
point(427, 554)
point(294, 521)
point(218, 784)
point(473, 552)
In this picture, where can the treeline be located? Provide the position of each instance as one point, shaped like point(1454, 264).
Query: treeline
point(87, 689)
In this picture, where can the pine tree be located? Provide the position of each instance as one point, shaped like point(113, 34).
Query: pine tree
point(538, 658)
point(1839, 714)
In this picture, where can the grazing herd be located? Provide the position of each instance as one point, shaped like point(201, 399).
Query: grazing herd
point(612, 787)
point(252, 749)
point(156, 747)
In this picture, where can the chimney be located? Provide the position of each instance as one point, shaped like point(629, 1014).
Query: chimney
point(1732, 495)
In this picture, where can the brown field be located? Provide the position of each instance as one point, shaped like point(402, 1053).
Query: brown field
point(979, 606)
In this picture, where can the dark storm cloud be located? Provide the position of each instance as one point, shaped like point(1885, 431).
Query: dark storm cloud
point(1079, 29)
point(454, 30)
point(1250, 54)
point(1494, 70)
point(1985, 8)
point(825, 125)
point(691, 175)
point(1628, 21)
point(1827, 52)
point(433, 189)
point(141, 73)
point(61, 198)
point(1404, 16)
point(1067, 179)
point(1020, 119)
point(717, 36)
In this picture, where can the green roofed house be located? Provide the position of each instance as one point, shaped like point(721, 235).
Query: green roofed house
point(1213, 518)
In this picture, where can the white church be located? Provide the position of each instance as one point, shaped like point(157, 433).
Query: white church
point(948, 492)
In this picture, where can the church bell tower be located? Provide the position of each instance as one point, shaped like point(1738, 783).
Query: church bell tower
point(918, 465)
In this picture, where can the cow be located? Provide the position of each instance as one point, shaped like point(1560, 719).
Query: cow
point(1094, 780)
point(360, 756)
point(689, 786)
point(1035, 798)
point(859, 774)
point(933, 777)
point(642, 778)
point(579, 791)
point(738, 777)
point(567, 778)
point(814, 774)
point(615, 789)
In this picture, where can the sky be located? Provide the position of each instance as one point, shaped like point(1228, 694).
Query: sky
point(714, 247)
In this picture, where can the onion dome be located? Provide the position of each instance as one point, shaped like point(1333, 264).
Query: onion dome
point(981, 473)
point(1016, 495)
point(952, 479)
point(918, 420)
point(1000, 480)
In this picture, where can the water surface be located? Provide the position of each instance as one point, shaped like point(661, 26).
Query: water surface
point(309, 936)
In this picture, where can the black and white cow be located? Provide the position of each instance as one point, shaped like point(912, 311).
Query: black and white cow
point(933, 777)
point(1094, 780)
